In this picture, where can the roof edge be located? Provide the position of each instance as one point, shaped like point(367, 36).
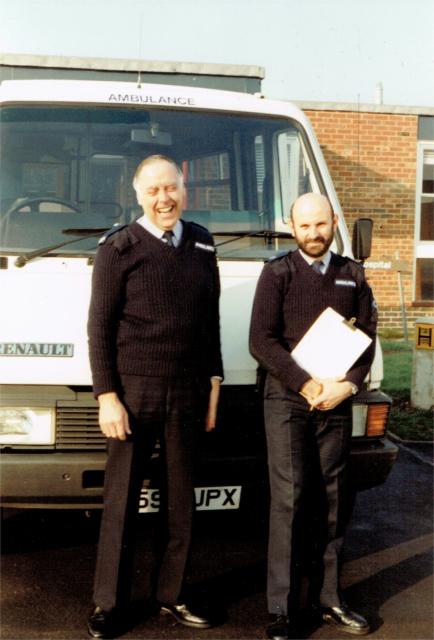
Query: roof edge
point(131, 65)
point(364, 107)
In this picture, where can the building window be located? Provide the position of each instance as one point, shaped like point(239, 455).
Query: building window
point(208, 182)
point(424, 245)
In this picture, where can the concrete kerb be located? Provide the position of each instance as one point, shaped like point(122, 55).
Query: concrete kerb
point(406, 445)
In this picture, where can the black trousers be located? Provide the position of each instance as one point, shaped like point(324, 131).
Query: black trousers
point(307, 455)
point(172, 411)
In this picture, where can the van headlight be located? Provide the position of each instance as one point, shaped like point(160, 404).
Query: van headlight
point(26, 425)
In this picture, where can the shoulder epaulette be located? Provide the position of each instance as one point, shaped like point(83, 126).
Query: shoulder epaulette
point(277, 256)
point(199, 226)
point(283, 267)
point(115, 229)
point(348, 260)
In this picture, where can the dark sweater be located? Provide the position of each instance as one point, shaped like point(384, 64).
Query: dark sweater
point(154, 308)
point(288, 300)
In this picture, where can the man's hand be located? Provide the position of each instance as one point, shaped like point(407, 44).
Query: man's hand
point(311, 390)
point(113, 417)
point(333, 393)
point(211, 416)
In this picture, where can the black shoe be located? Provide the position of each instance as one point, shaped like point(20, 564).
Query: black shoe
point(184, 616)
point(345, 619)
point(280, 628)
point(103, 624)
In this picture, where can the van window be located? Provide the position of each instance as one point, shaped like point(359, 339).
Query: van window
point(69, 169)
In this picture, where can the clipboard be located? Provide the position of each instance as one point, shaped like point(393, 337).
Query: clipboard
point(330, 346)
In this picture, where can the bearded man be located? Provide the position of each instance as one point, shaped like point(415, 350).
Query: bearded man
point(308, 421)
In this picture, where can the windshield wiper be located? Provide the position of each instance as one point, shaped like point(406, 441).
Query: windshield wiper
point(267, 234)
point(82, 234)
point(85, 233)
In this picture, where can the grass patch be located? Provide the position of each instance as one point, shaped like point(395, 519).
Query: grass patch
point(405, 421)
point(391, 334)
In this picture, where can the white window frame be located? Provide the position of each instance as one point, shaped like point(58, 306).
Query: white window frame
point(422, 248)
point(290, 144)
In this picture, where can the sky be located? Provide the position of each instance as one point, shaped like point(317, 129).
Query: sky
point(312, 50)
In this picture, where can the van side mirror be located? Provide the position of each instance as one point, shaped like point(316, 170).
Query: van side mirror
point(362, 238)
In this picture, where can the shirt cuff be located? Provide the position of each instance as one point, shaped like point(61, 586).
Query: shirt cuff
point(354, 388)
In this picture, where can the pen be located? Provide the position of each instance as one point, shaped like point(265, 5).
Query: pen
point(308, 398)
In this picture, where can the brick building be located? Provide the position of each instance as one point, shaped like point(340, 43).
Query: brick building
point(382, 162)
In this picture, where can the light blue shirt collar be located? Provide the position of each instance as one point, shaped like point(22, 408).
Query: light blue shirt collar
point(325, 259)
point(147, 224)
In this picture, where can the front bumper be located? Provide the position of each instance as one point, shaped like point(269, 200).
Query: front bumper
point(75, 480)
point(52, 480)
point(371, 462)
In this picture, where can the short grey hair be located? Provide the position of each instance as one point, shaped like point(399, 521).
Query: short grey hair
point(150, 160)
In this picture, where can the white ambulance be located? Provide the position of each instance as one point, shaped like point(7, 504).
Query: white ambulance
point(72, 133)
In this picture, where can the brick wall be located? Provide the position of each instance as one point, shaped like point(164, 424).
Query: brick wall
point(372, 160)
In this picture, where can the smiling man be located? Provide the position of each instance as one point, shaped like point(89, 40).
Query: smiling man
point(159, 186)
point(154, 346)
point(307, 421)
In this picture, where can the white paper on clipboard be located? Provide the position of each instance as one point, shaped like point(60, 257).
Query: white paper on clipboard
point(330, 346)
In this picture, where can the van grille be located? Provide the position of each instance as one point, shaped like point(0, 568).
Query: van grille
point(78, 428)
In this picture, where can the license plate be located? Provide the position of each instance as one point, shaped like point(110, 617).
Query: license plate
point(207, 499)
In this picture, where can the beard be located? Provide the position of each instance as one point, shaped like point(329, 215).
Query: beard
point(315, 247)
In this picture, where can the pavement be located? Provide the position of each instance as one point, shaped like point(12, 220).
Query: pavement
point(421, 450)
point(49, 558)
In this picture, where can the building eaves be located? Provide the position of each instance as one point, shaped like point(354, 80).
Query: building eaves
point(364, 108)
point(131, 65)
